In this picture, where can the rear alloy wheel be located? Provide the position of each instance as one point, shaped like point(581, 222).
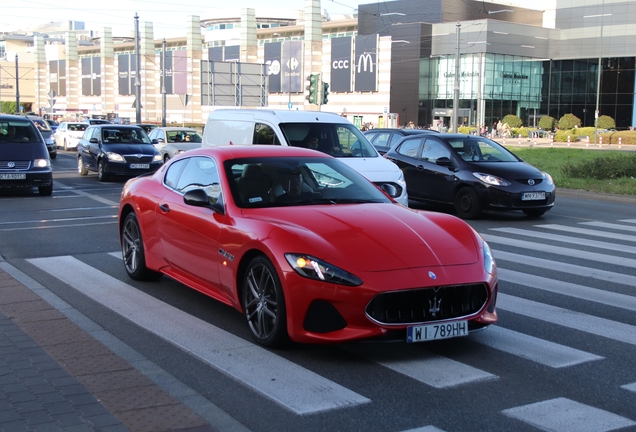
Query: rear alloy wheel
point(101, 171)
point(132, 250)
point(264, 303)
point(467, 204)
point(81, 169)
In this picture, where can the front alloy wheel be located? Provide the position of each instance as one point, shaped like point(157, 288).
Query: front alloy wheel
point(264, 303)
point(132, 250)
point(101, 171)
point(81, 169)
point(467, 204)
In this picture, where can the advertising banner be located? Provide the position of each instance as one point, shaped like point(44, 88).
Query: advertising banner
point(340, 65)
point(366, 63)
point(272, 57)
point(292, 80)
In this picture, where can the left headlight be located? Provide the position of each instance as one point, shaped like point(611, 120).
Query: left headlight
point(313, 268)
point(114, 157)
point(157, 158)
point(41, 163)
point(489, 260)
point(547, 178)
point(491, 179)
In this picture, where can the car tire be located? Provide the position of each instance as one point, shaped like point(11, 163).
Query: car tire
point(264, 303)
point(101, 171)
point(467, 203)
point(46, 190)
point(166, 158)
point(132, 250)
point(53, 155)
point(534, 213)
point(81, 169)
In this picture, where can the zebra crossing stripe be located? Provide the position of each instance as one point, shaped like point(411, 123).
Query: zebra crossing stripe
point(589, 232)
point(425, 429)
point(557, 250)
point(568, 239)
point(286, 383)
point(630, 387)
point(567, 318)
point(538, 350)
point(566, 415)
point(563, 267)
point(611, 226)
point(569, 289)
point(424, 366)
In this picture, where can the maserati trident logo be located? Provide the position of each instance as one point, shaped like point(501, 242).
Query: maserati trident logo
point(432, 275)
point(434, 306)
point(11, 164)
point(531, 182)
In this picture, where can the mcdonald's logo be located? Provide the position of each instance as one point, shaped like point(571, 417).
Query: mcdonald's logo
point(363, 60)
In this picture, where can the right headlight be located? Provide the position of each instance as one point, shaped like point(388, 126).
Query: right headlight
point(314, 268)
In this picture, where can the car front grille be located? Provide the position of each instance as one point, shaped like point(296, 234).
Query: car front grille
point(19, 165)
point(427, 304)
point(138, 158)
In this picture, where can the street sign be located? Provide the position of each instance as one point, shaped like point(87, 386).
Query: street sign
point(185, 98)
point(290, 105)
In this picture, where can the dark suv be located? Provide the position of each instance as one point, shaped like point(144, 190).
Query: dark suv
point(47, 133)
point(24, 159)
point(116, 150)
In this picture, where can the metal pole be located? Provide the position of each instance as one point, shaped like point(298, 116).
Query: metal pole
point(598, 76)
point(17, 87)
point(163, 83)
point(137, 77)
point(456, 85)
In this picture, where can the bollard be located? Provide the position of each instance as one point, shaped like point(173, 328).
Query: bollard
point(535, 140)
point(504, 141)
point(587, 142)
point(568, 140)
point(552, 140)
point(519, 139)
point(620, 142)
point(600, 141)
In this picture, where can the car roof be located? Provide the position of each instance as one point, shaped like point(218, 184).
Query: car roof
point(401, 131)
point(283, 116)
point(247, 151)
point(175, 128)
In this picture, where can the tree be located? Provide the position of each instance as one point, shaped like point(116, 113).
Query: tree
point(569, 121)
point(512, 120)
point(547, 123)
point(606, 122)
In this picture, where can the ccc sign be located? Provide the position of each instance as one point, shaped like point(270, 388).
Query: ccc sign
point(340, 64)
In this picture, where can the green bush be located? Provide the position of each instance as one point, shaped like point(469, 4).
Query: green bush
point(519, 132)
point(586, 132)
point(606, 122)
point(603, 168)
point(466, 130)
point(512, 120)
point(562, 135)
point(568, 121)
point(547, 123)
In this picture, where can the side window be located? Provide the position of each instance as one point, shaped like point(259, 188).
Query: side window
point(201, 172)
point(395, 138)
point(173, 172)
point(382, 141)
point(264, 134)
point(434, 150)
point(410, 147)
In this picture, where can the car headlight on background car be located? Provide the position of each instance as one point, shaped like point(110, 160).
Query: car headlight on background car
point(547, 178)
point(114, 157)
point(313, 268)
point(491, 179)
point(157, 158)
point(41, 163)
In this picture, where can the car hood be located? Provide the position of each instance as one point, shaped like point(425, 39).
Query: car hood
point(374, 237)
point(129, 149)
point(507, 170)
point(23, 151)
point(376, 169)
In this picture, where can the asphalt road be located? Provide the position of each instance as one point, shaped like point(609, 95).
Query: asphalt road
point(561, 357)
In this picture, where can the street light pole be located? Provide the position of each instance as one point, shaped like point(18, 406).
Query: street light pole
point(598, 76)
point(137, 68)
point(163, 83)
point(456, 85)
point(17, 86)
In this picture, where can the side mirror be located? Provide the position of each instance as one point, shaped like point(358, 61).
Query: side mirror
point(199, 198)
point(93, 140)
point(443, 161)
point(389, 189)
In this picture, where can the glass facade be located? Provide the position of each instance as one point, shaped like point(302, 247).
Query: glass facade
point(570, 86)
point(509, 85)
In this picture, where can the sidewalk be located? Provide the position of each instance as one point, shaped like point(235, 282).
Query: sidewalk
point(547, 142)
point(56, 376)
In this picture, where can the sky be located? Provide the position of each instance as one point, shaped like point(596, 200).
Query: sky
point(168, 16)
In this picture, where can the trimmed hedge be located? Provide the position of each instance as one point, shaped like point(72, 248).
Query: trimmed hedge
point(604, 168)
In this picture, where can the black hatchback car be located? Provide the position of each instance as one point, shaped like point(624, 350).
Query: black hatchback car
point(24, 159)
point(116, 150)
point(473, 173)
point(385, 138)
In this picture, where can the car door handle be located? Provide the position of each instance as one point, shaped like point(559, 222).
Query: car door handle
point(164, 208)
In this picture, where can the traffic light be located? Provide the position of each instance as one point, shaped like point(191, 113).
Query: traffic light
point(312, 97)
point(325, 93)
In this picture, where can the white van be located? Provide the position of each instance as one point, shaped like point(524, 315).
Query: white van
point(329, 132)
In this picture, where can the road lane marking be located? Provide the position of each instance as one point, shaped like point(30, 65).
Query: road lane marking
point(566, 415)
point(589, 232)
point(611, 226)
point(531, 348)
point(86, 194)
point(630, 387)
point(286, 383)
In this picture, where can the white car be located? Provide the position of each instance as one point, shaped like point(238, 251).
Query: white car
point(68, 134)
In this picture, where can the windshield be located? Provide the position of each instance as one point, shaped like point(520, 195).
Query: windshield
point(113, 134)
point(18, 131)
point(335, 139)
point(41, 124)
point(481, 150)
point(278, 182)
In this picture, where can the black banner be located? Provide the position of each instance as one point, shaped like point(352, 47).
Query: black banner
point(340, 65)
point(366, 63)
point(91, 76)
point(123, 62)
point(292, 80)
point(272, 57)
point(232, 53)
point(215, 54)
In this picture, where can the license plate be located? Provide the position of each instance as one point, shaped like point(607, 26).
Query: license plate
point(529, 196)
point(436, 331)
point(139, 166)
point(21, 176)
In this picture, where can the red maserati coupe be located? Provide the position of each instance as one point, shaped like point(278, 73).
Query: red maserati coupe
point(307, 248)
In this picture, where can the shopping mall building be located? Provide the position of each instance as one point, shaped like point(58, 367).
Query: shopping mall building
point(393, 63)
